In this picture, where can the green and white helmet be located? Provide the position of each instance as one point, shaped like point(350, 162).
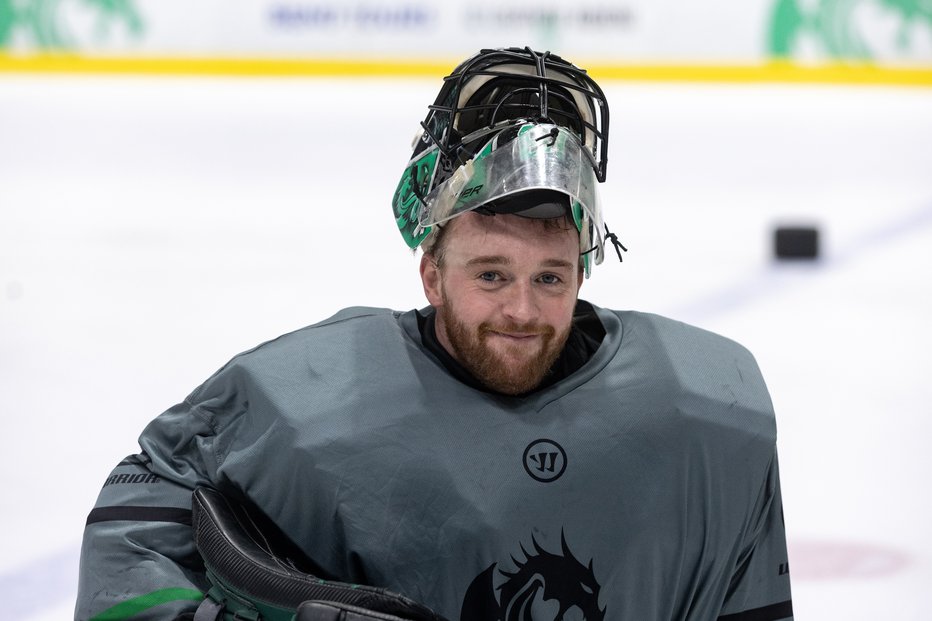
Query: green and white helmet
point(512, 131)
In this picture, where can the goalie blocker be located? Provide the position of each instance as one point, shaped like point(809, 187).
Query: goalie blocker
point(256, 573)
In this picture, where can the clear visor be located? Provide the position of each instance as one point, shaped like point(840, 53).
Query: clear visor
point(540, 157)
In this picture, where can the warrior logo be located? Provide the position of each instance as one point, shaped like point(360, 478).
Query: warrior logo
point(544, 587)
point(544, 460)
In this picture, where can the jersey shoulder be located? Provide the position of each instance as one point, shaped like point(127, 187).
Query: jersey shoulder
point(714, 378)
point(326, 344)
point(685, 339)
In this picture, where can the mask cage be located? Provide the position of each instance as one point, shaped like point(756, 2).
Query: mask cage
point(514, 83)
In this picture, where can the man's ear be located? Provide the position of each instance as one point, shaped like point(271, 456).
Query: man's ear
point(431, 280)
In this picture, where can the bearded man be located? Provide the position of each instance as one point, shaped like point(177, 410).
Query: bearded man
point(508, 452)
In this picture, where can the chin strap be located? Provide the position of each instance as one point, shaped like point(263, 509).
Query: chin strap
point(617, 244)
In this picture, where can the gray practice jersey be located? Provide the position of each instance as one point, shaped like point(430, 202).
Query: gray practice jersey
point(642, 487)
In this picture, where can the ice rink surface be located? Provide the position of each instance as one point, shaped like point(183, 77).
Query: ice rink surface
point(151, 228)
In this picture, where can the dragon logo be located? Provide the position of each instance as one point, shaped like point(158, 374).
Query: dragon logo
point(406, 201)
point(543, 587)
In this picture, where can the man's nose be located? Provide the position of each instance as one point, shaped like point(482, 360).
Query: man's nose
point(521, 305)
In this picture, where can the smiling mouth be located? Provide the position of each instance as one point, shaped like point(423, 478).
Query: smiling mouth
point(520, 336)
point(515, 333)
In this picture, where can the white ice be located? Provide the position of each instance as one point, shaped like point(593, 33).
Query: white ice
point(150, 228)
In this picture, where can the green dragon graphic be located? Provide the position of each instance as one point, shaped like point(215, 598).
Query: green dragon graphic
point(39, 23)
point(831, 24)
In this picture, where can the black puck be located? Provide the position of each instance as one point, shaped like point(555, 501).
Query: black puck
point(796, 242)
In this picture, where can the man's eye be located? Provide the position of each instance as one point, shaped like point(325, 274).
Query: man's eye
point(488, 276)
point(550, 279)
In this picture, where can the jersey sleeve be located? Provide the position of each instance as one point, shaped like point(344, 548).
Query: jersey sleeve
point(138, 559)
point(760, 584)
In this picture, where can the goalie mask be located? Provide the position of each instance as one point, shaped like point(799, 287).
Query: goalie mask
point(511, 131)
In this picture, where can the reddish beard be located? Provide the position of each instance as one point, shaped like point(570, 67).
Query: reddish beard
point(494, 370)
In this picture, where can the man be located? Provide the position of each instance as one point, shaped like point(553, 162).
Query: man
point(510, 452)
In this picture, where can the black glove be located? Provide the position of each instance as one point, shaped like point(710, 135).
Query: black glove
point(256, 573)
point(333, 611)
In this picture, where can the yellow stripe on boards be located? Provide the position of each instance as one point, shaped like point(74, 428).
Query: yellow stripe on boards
point(69, 63)
point(773, 72)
